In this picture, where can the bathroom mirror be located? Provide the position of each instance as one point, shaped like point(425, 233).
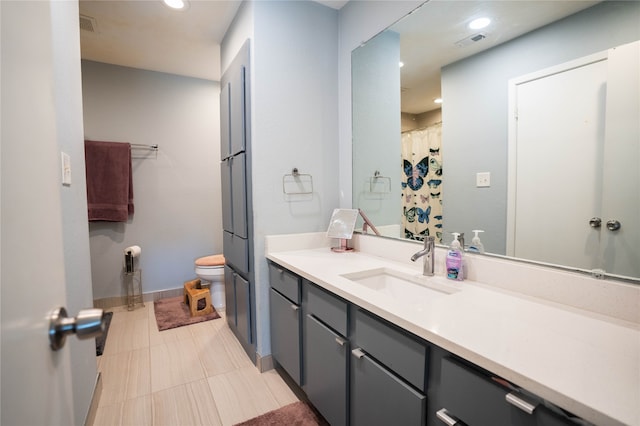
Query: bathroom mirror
point(465, 176)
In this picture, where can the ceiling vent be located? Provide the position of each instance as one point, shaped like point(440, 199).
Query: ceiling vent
point(471, 40)
point(87, 23)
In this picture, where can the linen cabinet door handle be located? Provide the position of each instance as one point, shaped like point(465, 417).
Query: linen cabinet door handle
point(340, 341)
point(520, 403)
point(447, 418)
point(358, 353)
point(295, 308)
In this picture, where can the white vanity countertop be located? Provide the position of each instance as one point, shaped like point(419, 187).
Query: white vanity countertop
point(584, 363)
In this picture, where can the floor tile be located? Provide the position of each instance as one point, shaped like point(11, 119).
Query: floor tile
point(241, 395)
point(125, 375)
point(137, 412)
point(193, 375)
point(174, 363)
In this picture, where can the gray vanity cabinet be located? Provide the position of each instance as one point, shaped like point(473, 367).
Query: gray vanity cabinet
point(286, 319)
point(389, 374)
point(238, 305)
point(476, 397)
point(326, 353)
point(380, 397)
point(235, 179)
point(243, 308)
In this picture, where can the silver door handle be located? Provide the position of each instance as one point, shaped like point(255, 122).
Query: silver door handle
point(358, 353)
point(520, 403)
point(595, 222)
point(340, 341)
point(447, 418)
point(296, 308)
point(613, 225)
point(87, 324)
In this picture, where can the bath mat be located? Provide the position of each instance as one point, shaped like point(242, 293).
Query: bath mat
point(101, 340)
point(173, 312)
point(299, 414)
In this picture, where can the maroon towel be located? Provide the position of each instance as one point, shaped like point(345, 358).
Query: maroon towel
point(109, 180)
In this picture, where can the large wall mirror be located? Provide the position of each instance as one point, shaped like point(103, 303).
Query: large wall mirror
point(536, 140)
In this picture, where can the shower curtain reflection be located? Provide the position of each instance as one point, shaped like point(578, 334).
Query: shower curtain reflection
point(422, 183)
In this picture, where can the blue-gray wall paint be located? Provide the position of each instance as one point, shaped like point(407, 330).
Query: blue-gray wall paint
point(294, 123)
point(176, 195)
point(376, 128)
point(475, 110)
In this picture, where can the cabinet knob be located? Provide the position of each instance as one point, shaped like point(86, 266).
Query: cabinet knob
point(613, 225)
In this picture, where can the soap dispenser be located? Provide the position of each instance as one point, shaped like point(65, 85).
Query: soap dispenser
point(454, 260)
point(476, 245)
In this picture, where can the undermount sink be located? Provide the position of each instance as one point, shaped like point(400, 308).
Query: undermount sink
point(399, 285)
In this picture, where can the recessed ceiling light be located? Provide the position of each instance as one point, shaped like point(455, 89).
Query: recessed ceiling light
point(479, 23)
point(437, 100)
point(401, 64)
point(176, 4)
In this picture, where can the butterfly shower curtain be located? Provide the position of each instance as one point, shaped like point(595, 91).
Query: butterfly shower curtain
point(422, 183)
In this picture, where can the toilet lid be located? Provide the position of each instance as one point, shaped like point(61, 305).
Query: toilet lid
point(213, 260)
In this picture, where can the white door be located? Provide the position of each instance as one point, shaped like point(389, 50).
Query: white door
point(558, 158)
point(621, 248)
point(37, 384)
point(576, 151)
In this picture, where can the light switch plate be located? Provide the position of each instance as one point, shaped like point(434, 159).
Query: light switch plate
point(483, 180)
point(66, 169)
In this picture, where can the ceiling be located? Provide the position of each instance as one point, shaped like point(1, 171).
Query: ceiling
point(146, 34)
point(429, 35)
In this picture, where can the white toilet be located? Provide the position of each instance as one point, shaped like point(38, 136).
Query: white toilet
point(210, 269)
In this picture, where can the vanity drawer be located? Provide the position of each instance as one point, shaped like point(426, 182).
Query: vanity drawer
point(328, 308)
point(394, 348)
point(476, 399)
point(286, 282)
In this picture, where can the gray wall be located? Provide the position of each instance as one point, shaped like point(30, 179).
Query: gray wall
point(294, 122)
point(358, 22)
point(376, 128)
point(475, 112)
point(176, 193)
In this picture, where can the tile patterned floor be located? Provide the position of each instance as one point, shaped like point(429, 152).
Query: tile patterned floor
point(193, 375)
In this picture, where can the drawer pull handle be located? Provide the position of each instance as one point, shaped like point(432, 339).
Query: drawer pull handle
point(358, 353)
point(520, 403)
point(340, 341)
point(446, 418)
point(296, 308)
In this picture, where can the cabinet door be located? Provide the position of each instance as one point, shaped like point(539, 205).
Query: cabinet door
point(229, 296)
point(237, 102)
point(225, 141)
point(225, 187)
point(236, 252)
point(239, 195)
point(379, 397)
point(285, 333)
point(326, 370)
point(243, 308)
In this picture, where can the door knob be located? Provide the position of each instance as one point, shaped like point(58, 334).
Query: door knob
point(87, 324)
point(613, 225)
point(595, 222)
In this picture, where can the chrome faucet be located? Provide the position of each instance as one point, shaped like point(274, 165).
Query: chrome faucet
point(428, 253)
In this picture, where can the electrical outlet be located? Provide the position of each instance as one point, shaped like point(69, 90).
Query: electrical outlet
point(483, 180)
